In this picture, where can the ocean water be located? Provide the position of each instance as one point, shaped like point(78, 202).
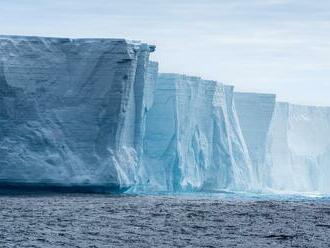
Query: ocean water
point(202, 220)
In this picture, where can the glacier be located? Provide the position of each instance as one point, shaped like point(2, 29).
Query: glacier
point(72, 110)
point(97, 113)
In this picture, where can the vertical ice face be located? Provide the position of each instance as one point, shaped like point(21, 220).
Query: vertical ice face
point(72, 111)
point(95, 112)
point(148, 100)
point(299, 149)
point(144, 94)
point(255, 112)
point(193, 140)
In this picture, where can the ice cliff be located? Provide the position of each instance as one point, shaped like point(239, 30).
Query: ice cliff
point(298, 158)
point(255, 112)
point(289, 145)
point(96, 113)
point(72, 111)
point(193, 139)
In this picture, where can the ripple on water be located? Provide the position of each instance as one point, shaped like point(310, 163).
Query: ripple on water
point(100, 220)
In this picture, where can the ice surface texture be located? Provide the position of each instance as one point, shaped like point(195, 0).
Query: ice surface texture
point(193, 140)
point(72, 111)
point(255, 112)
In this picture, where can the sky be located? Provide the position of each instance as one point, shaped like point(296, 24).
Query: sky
point(267, 46)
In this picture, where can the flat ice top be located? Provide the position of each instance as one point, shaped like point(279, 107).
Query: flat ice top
point(302, 106)
point(62, 39)
point(22, 37)
point(184, 77)
point(254, 94)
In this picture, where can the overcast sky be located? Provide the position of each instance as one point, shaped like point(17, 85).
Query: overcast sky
point(277, 46)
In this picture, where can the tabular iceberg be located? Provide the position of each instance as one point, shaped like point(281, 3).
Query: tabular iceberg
point(96, 113)
point(298, 157)
point(72, 110)
point(193, 139)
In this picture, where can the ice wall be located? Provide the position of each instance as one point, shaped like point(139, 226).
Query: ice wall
point(298, 159)
point(95, 112)
point(193, 140)
point(72, 112)
point(255, 112)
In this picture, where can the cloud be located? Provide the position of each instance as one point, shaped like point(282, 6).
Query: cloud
point(261, 45)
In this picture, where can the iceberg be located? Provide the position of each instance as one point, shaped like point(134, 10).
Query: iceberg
point(193, 139)
point(72, 110)
point(96, 113)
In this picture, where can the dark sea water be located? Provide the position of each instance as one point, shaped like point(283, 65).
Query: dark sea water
point(95, 220)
